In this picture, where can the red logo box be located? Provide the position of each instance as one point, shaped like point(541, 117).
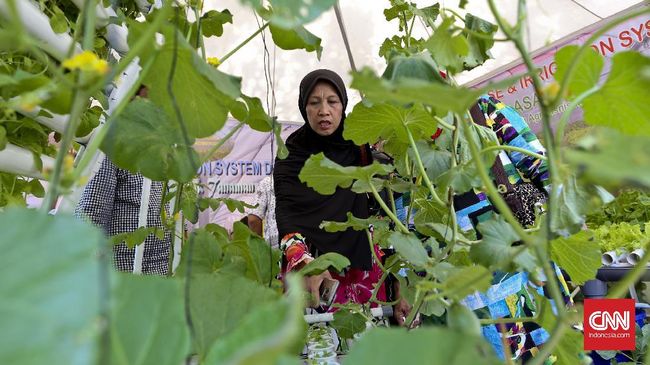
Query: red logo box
point(609, 324)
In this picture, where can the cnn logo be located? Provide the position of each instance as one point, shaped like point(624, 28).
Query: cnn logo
point(602, 321)
point(609, 324)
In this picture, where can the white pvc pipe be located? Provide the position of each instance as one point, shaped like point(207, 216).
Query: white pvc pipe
point(612, 258)
point(635, 256)
point(329, 317)
point(20, 161)
point(142, 222)
point(115, 34)
point(38, 25)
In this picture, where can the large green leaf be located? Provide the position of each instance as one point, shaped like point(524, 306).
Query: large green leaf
point(578, 254)
point(148, 321)
point(51, 288)
point(207, 253)
point(418, 66)
point(143, 139)
point(612, 159)
point(261, 259)
point(574, 202)
point(436, 161)
point(348, 321)
point(586, 73)
point(496, 248)
point(479, 46)
point(219, 302)
point(289, 14)
point(267, 334)
point(296, 38)
point(409, 247)
point(622, 102)
point(201, 92)
point(324, 262)
point(252, 113)
point(465, 281)
point(433, 346)
point(385, 121)
point(448, 47)
point(324, 175)
point(461, 178)
point(406, 91)
point(357, 224)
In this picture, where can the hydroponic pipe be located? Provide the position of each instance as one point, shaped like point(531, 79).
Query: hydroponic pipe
point(38, 25)
point(384, 311)
point(116, 34)
point(56, 122)
point(142, 222)
point(20, 161)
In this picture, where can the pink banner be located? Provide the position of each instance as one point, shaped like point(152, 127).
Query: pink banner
point(633, 34)
point(236, 168)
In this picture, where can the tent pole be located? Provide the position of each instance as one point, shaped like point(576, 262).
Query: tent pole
point(339, 19)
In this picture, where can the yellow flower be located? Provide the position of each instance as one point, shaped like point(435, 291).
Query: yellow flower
point(551, 90)
point(214, 61)
point(86, 61)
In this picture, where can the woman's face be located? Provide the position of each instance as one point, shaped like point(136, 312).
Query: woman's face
point(324, 109)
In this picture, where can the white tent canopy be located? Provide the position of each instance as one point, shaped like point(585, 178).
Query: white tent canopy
point(548, 21)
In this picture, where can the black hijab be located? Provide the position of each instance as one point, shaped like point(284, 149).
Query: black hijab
point(301, 209)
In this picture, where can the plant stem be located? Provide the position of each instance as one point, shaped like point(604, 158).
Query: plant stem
point(89, 24)
point(423, 172)
point(444, 124)
point(372, 250)
point(515, 149)
point(491, 190)
point(221, 142)
point(389, 212)
point(559, 133)
point(507, 320)
point(224, 58)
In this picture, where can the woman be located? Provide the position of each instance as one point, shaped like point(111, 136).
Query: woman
point(300, 209)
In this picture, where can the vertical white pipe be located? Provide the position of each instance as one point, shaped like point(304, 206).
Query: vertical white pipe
point(142, 222)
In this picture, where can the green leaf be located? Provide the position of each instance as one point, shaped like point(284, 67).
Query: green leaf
point(406, 91)
point(254, 116)
point(218, 304)
point(612, 159)
point(3, 138)
point(51, 288)
point(465, 281)
point(58, 21)
point(428, 13)
point(496, 248)
point(231, 204)
point(289, 14)
point(296, 38)
point(429, 212)
point(586, 73)
point(385, 121)
point(324, 262)
point(357, 224)
point(202, 93)
point(389, 346)
point(189, 203)
point(212, 22)
point(461, 178)
point(324, 175)
point(348, 322)
point(479, 47)
point(35, 188)
point(436, 161)
point(132, 239)
point(574, 202)
point(143, 139)
point(622, 102)
point(448, 47)
point(578, 254)
point(409, 247)
point(463, 320)
point(148, 321)
point(207, 253)
point(261, 259)
point(418, 66)
point(269, 333)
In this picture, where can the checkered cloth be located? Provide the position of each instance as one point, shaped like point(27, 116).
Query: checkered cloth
point(111, 201)
point(265, 210)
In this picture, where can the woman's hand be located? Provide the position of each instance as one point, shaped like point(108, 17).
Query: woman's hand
point(401, 310)
point(312, 284)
